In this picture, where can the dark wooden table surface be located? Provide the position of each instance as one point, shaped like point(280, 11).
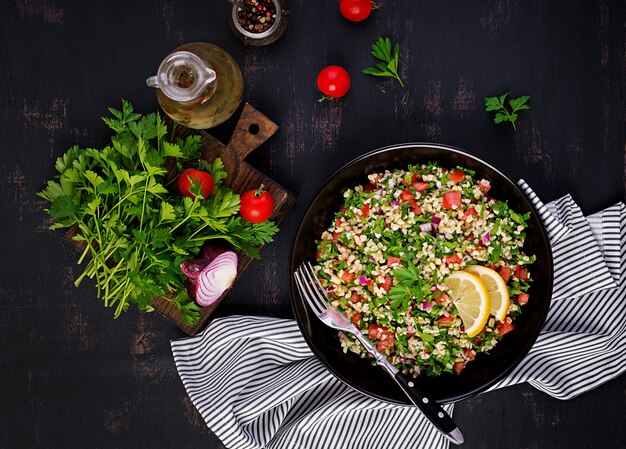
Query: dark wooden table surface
point(72, 377)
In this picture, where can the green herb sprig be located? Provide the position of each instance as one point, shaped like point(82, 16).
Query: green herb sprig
point(136, 231)
point(503, 114)
point(383, 50)
point(411, 286)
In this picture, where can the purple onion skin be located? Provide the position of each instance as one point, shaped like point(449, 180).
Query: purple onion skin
point(193, 267)
point(191, 289)
point(212, 251)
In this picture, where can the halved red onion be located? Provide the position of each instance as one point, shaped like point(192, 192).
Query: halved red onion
point(216, 278)
point(212, 275)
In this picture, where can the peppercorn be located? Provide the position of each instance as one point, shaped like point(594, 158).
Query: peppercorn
point(256, 17)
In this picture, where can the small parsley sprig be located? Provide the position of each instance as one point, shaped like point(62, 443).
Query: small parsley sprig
point(503, 114)
point(382, 49)
point(410, 287)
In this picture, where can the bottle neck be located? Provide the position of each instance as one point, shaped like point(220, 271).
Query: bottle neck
point(183, 77)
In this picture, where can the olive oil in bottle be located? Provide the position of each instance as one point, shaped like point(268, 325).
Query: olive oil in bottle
point(199, 85)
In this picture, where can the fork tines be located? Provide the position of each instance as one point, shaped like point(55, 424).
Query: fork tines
point(311, 289)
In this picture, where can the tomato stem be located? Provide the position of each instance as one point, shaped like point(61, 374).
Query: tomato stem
point(258, 191)
point(325, 97)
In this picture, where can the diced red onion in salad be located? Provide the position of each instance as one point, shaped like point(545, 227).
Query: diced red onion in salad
point(426, 305)
point(363, 280)
point(426, 227)
point(395, 203)
point(486, 238)
point(436, 220)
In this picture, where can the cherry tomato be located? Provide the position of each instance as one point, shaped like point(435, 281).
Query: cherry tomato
point(385, 342)
point(407, 196)
point(505, 273)
point(420, 186)
point(375, 331)
point(504, 328)
point(451, 199)
point(453, 259)
point(333, 81)
point(191, 175)
point(521, 273)
point(469, 213)
point(354, 298)
point(355, 10)
point(256, 205)
point(457, 176)
point(364, 212)
point(445, 321)
point(347, 277)
point(387, 284)
point(459, 366)
point(484, 187)
point(469, 353)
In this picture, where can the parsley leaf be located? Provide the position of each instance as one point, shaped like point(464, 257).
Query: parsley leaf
point(410, 286)
point(503, 114)
point(383, 50)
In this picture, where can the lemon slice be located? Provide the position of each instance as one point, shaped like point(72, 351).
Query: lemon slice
point(498, 293)
point(471, 298)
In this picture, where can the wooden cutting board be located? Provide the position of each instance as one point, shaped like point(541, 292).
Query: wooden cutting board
point(253, 128)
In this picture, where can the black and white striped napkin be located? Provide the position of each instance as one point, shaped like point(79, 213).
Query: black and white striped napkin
point(257, 385)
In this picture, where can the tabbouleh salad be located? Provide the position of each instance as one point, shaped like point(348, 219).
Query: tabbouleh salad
point(390, 248)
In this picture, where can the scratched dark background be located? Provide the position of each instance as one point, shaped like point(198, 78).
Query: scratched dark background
point(72, 377)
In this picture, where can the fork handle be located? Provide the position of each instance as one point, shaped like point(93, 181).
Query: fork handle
point(433, 411)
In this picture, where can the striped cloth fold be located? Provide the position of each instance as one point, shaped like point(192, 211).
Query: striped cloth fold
point(257, 385)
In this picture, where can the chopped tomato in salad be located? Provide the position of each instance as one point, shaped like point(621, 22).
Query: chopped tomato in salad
point(394, 242)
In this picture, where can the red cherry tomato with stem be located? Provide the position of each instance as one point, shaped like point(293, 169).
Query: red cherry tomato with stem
point(190, 176)
point(355, 10)
point(257, 205)
point(333, 82)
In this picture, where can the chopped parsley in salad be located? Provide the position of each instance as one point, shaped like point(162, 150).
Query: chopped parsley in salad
point(390, 248)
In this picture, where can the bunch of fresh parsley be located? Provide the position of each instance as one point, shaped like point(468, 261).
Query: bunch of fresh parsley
point(136, 231)
point(383, 50)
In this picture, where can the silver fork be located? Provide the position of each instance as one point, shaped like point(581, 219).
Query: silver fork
point(315, 296)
